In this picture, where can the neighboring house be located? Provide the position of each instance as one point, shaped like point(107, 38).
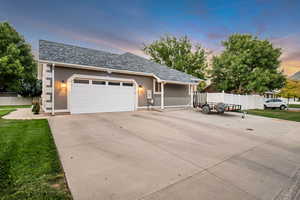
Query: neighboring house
point(295, 77)
point(81, 80)
point(210, 89)
point(271, 94)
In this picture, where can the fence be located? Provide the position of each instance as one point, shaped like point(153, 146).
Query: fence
point(17, 100)
point(246, 101)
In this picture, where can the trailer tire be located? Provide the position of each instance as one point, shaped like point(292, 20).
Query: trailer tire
point(220, 107)
point(206, 109)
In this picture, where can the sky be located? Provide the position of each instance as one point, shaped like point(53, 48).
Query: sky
point(126, 25)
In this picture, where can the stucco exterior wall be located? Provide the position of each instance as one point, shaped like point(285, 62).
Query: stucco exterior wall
point(177, 95)
point(174, 95)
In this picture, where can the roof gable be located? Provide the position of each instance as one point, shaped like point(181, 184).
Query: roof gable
point(296, 76)
point(69, 54)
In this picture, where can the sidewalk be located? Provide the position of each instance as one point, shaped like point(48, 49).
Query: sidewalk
point(25, 113)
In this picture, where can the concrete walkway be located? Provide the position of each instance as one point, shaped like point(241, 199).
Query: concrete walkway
point(24, 113)
point(178, 155)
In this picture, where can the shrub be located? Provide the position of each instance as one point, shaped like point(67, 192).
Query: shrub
point(36, 108)
point(31, 88)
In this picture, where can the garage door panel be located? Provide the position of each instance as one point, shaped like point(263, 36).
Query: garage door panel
point(91, 98)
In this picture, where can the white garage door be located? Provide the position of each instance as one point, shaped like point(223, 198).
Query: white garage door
point(92, 96)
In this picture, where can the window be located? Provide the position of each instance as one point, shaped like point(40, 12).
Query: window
point(81, 81)
point(98, 82)
point(114, 83)
point(128, 84)
point(157, 87)
point(192, 89)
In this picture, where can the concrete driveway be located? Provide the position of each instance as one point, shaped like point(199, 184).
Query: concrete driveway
point(178, 155)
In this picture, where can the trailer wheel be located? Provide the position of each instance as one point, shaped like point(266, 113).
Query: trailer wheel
point(206, 109)
point(220, 107)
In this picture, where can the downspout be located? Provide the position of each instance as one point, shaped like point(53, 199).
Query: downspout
point(53, 88)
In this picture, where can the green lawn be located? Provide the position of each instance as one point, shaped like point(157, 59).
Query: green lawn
point(294, 105)
point(280, 114)
point(12, 107)
point(29, 164)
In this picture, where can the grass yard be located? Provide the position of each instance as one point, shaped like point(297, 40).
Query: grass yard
point(13, 107)
point(279, 114)
point(294, 105)
point(29, 164)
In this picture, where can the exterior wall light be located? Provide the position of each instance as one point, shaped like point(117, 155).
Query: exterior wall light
point(141, 89)
point(63, 84)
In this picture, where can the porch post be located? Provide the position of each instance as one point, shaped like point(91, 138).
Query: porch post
point(191, 87)
point(162, 103)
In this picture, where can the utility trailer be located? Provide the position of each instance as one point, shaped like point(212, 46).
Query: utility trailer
point(208, 104)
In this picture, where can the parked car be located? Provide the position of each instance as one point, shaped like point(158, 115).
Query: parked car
point(275, 103)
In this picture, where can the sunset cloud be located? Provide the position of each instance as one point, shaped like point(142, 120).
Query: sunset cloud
point(290, 46)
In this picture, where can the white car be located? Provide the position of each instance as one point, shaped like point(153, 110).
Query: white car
point(275, 103)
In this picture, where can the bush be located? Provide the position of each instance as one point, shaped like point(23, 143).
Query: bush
point(36, 108)
point(31, 88)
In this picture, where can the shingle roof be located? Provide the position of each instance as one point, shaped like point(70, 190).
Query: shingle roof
point(295, 76)
point(58, 52)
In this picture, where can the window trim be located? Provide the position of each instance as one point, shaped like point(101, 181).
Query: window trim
point(84, 81)
point(98, 82)
point(192, 89)
point(154, 87)
point(127, 84)
point(114, 83)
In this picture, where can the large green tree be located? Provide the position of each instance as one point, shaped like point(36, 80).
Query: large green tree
point(247, 65)
point(17, 65)
point(179, 54)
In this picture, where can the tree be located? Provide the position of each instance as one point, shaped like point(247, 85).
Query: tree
point(31, 89)
point(201, 86)
point(247, 65)
point(179, 54)
point(291, 89)
point(17, 65)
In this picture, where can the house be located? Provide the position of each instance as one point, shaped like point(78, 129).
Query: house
point(82, 80)
point(210, 88)
point(295, 77)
